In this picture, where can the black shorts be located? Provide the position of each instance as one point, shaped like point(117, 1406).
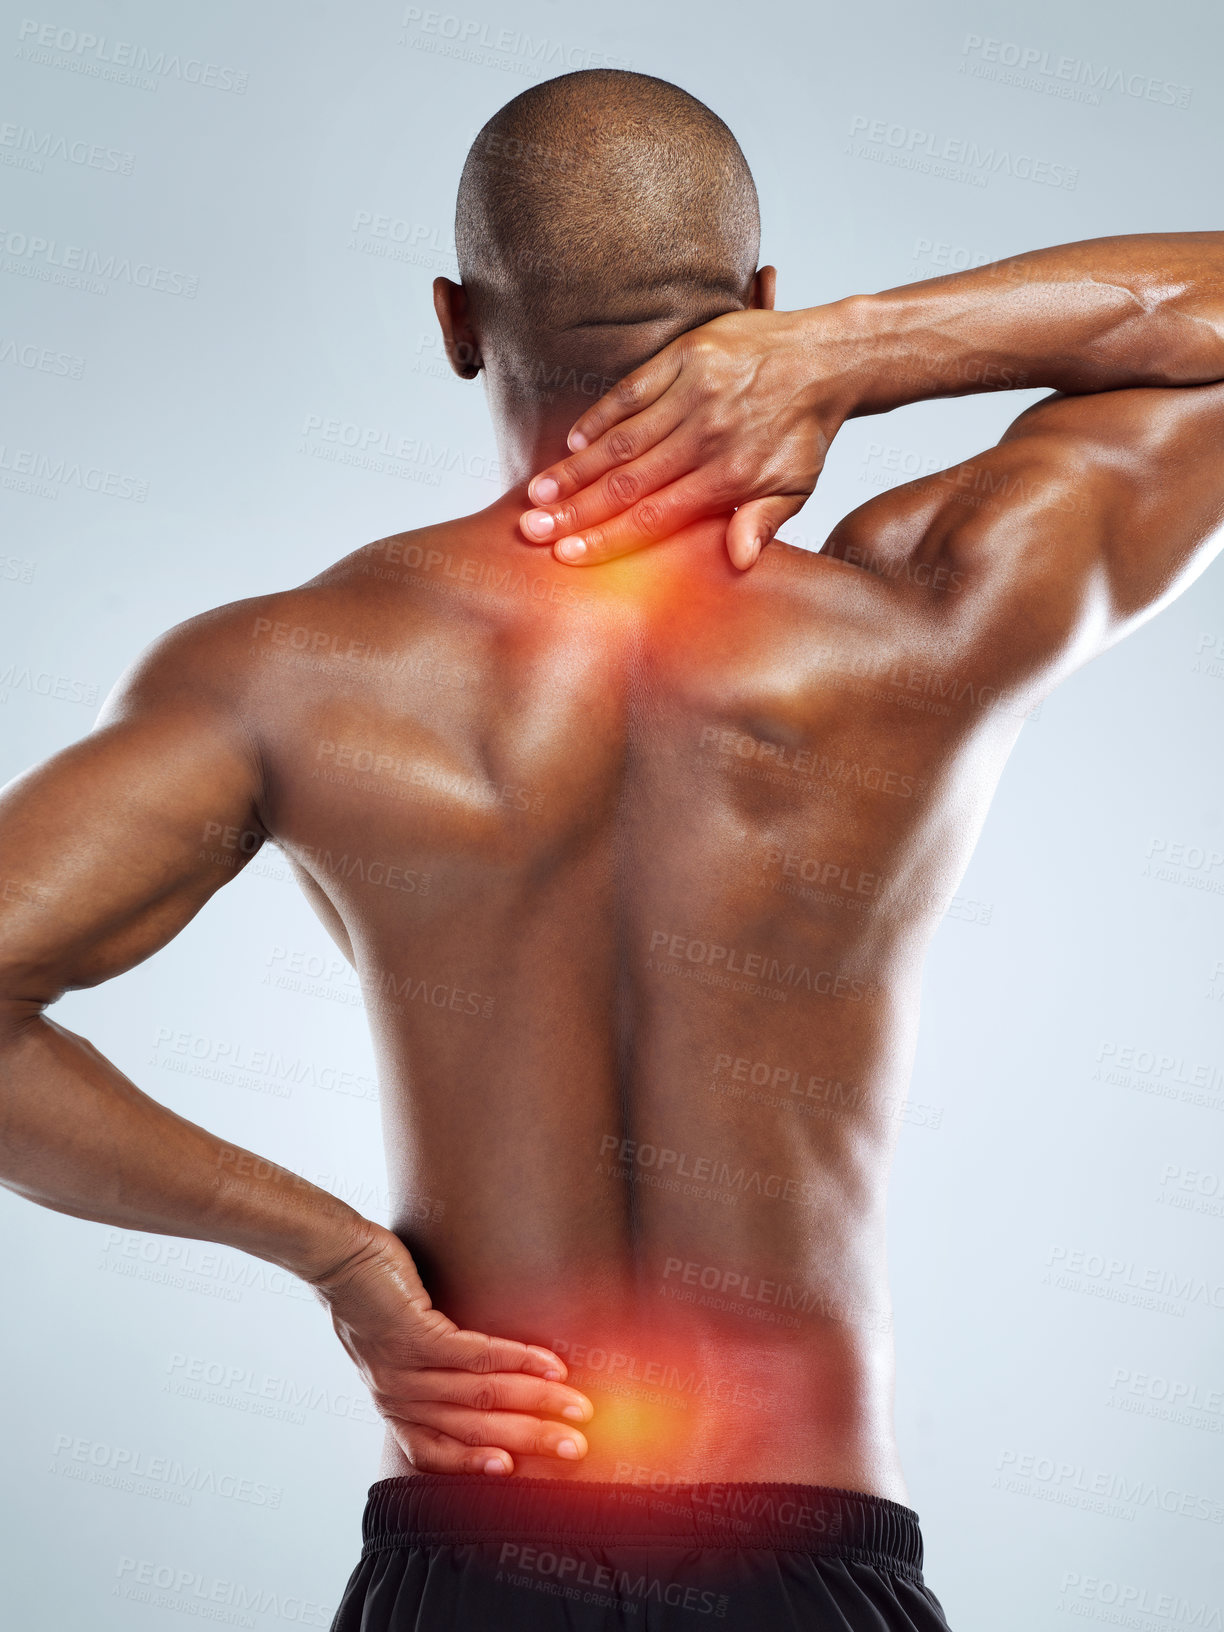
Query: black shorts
point(453, 1552)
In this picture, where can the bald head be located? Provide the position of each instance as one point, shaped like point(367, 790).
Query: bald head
point(600, 213)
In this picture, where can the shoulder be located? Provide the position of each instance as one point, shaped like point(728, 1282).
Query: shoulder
point(999, 556)
point(1118, 507)
point(957, 519)
point(224, 655)
point(250, 665)
point(197, 661)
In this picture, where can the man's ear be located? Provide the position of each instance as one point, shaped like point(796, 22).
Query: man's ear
point(451, 304)
point(764, 289)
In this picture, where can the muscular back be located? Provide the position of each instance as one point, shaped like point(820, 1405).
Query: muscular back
point(636, 867)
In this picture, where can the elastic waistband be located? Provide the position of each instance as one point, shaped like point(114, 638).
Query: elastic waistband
point(451, 1509)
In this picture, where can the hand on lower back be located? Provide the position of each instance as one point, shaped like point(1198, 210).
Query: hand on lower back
point(456, 1401)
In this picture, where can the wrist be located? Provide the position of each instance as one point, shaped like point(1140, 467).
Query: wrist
point(279, 1215)
point(843, 348)
point(343, 1249)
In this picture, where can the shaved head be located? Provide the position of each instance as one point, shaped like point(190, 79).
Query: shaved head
point(599, 210)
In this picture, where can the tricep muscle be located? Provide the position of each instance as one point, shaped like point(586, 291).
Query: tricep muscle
point(111, 847)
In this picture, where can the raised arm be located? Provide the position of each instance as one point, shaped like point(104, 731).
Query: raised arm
point(106, 852)
point(1135, 495)
point(1089, 514)
point(739, 414)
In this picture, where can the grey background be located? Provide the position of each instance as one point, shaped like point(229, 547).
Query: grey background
point(179, 1414)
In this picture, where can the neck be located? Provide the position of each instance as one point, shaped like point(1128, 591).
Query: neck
point(531, 426)
point(536, 393)
point(540, 384)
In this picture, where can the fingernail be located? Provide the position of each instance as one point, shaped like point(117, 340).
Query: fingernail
point(539, 522)
point(552, 1376)
point(574, 1413)
point(572, 549)
point(576, 441)
point(568, 1449)
point(495, 1465)
point(544, 490)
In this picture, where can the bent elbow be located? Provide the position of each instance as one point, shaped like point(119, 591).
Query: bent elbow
point(17, 1012)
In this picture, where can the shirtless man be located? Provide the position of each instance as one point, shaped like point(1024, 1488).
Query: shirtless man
point(686, 832)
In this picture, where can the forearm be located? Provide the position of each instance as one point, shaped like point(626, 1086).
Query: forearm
point(77, 1136)
point(1093, 316)
point(737, 417)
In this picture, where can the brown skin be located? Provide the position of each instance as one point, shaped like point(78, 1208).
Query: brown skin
point(606, 848)
point(742, 412)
